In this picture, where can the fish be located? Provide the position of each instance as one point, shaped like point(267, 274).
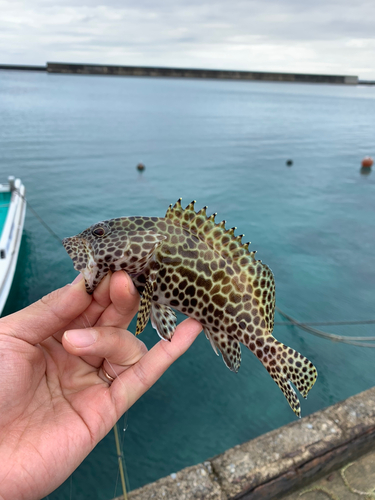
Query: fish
point(187, 262)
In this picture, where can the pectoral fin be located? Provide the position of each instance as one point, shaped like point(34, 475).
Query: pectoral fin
point(136, 260)
point(163, 319)
point(144, 308)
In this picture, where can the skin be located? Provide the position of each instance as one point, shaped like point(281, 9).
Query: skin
point(54, 405)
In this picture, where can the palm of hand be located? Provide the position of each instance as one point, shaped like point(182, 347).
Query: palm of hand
point(54, 406)
point(57, 398)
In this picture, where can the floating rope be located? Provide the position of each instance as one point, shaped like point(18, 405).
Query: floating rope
point(358, 341)
point(315, 323)
point(38, 217)
point(120, 458)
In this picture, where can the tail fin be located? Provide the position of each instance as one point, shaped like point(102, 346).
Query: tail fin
point(285, 365)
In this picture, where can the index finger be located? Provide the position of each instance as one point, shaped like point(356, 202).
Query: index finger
point(142, 375)
point(124, 302)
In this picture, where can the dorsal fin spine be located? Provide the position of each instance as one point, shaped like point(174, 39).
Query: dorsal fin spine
point(227, 244)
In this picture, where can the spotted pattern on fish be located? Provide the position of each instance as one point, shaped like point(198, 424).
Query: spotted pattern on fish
point(188, 262)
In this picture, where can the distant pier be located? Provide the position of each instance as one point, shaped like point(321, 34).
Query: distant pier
point(99, 69)
point(217, 74)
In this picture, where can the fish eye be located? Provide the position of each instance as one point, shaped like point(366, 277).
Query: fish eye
point(100, 231)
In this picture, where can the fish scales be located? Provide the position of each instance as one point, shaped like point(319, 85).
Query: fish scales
point(188, 262)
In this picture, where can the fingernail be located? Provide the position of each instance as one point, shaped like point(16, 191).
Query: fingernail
point(81, 338)
point(77, 279)
point(131, 286)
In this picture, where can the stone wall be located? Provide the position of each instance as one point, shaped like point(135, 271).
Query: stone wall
point(277, 462)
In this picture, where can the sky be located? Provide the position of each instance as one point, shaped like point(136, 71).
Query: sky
point(299, 36)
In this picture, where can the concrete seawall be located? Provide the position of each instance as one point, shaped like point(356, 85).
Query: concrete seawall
point(277, 462)
point(97, 69)
point(111, 70)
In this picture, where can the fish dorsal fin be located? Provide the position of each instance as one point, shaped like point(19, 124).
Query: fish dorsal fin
point(214, 234)
point(229, 347)
point(175, 212)
point(164, 320)
point(229, 246)
point(263, 284)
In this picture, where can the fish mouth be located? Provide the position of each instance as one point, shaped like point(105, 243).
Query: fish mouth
point(79, 250)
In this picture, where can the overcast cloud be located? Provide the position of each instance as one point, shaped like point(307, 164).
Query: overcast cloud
point(332, 37)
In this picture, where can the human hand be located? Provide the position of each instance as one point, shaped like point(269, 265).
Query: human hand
point(55, 404)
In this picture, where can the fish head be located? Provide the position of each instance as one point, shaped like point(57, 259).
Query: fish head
point(96, 251)
point(111, 246)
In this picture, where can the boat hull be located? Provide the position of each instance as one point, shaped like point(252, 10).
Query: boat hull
point(11, 236)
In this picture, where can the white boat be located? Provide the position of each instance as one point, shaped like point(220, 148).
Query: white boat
point(12, 217)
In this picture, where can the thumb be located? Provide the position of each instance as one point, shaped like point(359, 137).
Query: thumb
point(45, 317)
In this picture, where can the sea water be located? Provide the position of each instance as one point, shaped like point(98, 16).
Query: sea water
point(75, 142)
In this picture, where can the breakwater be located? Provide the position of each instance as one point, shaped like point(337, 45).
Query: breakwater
point(279, 461)
point(150, 71)
point(99, 69)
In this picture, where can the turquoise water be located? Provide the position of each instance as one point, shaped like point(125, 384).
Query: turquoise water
point(4, 205)
point(75, 142)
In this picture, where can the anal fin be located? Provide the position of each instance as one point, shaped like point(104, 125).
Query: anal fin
point(164, 320)
point(229, 347)
point(144, 308)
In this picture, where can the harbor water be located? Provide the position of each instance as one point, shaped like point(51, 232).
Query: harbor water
point(75, 142)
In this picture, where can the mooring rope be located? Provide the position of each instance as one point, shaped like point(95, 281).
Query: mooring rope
point(317, 323)
point(120, 458)
point(38, 217)
point(357, 341)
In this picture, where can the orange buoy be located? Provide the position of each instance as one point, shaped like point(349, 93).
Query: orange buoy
point(367, 162)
